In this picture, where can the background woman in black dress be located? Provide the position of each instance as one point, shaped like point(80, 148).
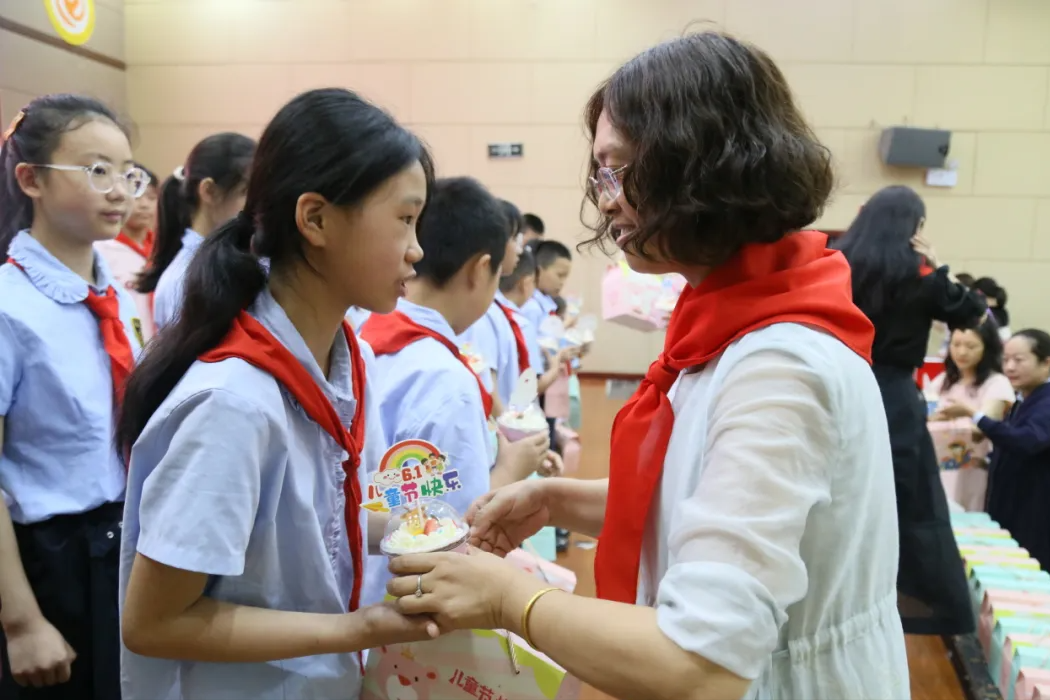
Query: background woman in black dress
point(897, 283)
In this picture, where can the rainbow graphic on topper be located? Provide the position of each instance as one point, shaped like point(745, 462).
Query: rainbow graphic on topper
point(410, 470)
point(409, 453)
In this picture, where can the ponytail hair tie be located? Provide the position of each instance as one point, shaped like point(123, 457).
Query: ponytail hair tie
point(179, 173)
point(10, 131)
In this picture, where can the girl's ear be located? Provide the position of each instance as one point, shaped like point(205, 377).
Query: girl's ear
point(29, 180)
point(313, 219)
point(207, 193)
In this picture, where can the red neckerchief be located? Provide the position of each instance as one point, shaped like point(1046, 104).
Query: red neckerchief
point(144, 249)
point(106, 308)
point(796, 280)
point(250, 341)
point(391, 333)
point(519, 338)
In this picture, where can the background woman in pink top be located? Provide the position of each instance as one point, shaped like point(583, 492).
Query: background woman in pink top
point(972, 378)
point(128, 253)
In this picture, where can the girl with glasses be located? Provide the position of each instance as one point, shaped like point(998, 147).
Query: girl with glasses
point(69, 336)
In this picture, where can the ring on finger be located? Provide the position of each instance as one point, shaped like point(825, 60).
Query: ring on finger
point(419, 586)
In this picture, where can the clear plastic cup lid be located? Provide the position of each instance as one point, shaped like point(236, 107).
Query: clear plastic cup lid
point(426, 525)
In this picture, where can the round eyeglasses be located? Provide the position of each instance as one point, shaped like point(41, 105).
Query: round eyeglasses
point(103, 177)
point(608, 182)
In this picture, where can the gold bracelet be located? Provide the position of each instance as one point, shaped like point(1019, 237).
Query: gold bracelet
point(527, 612)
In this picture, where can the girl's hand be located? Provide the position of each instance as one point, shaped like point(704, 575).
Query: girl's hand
point(461, 591)
point(523, 457)
point(502, 519)
point(388, 625)
point(924, 248)
point(39, 654)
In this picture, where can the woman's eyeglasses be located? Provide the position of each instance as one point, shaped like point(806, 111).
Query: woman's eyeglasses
point(607, 182)
point(103, 177)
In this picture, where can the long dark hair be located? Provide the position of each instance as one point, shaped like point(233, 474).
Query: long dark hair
point(330, 142)
point(35, 138)
point(878, 247)
point(223, 158)
point(991, 290)
point(991, 360)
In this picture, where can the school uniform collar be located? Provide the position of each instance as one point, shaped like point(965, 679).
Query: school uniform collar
point(546, 303)
point(191, 240)
point(427, 317)
point(50, 276)
point(340, 385)
point(502, 299)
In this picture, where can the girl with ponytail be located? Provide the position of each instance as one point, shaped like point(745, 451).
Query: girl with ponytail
point(200, 196)
point(244, 535)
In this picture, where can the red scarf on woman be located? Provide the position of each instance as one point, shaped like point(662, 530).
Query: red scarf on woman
point(250, 341)
point(796, 280)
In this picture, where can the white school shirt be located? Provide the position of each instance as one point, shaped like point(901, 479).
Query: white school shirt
point(771, 549)
point(532, 337)
point(56, 387)
point(233, 479)
point(428, 394)
point(167, 297)
point(357, 317)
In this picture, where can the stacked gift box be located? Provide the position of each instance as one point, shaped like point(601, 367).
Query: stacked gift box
point(1011, 600)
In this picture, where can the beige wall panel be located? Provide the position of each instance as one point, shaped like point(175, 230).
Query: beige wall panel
point(11, 101)
point(1013, 164)
point(222, 94)
point(790, 31)
point(1041, 247)
point(1018, 32)
point(920, 31)
point(42, 69)
point(981, 97)
point(386, 84)
point(1008, 227)
point(821, 90)
point(627, 27)
point(559, 91)
point(164, 148)
point(410, 30)
point(470, 93)
point(450, 148)
point(185, 32)
point(533, 30)
point(1026, 286)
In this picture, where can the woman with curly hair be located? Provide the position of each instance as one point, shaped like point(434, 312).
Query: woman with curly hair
point(748, 543)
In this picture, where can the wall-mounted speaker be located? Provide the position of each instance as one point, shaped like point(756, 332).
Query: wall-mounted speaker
point(912, 147)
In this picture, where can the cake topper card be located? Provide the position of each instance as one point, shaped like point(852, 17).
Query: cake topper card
point(524, 394)
point(410, 470)
point(552, 327)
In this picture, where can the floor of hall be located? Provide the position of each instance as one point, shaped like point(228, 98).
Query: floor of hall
point(932, 674)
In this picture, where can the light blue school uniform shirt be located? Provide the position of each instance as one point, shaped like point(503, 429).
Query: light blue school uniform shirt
point(426, 393)
point(538, 307)
point(56, 387)
point(488, 339)
point(167, 297)
point(233, 479)
point(531, 334)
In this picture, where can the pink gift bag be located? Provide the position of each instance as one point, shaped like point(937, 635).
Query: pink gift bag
point(544, 570)
point(1011, 641)
point(998, 603)
point(1041, 691)
point(556, 398)
point(639, 301)
point(1028, 680)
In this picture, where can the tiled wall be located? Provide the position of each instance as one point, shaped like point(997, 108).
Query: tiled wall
point(29, 68)
point(465, 73)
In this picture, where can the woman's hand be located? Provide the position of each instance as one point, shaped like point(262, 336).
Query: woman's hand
point(460, 591)
point(955, 410)
point(39, 654)
point(502, 519)
point(388, 625)
point(924, 248)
